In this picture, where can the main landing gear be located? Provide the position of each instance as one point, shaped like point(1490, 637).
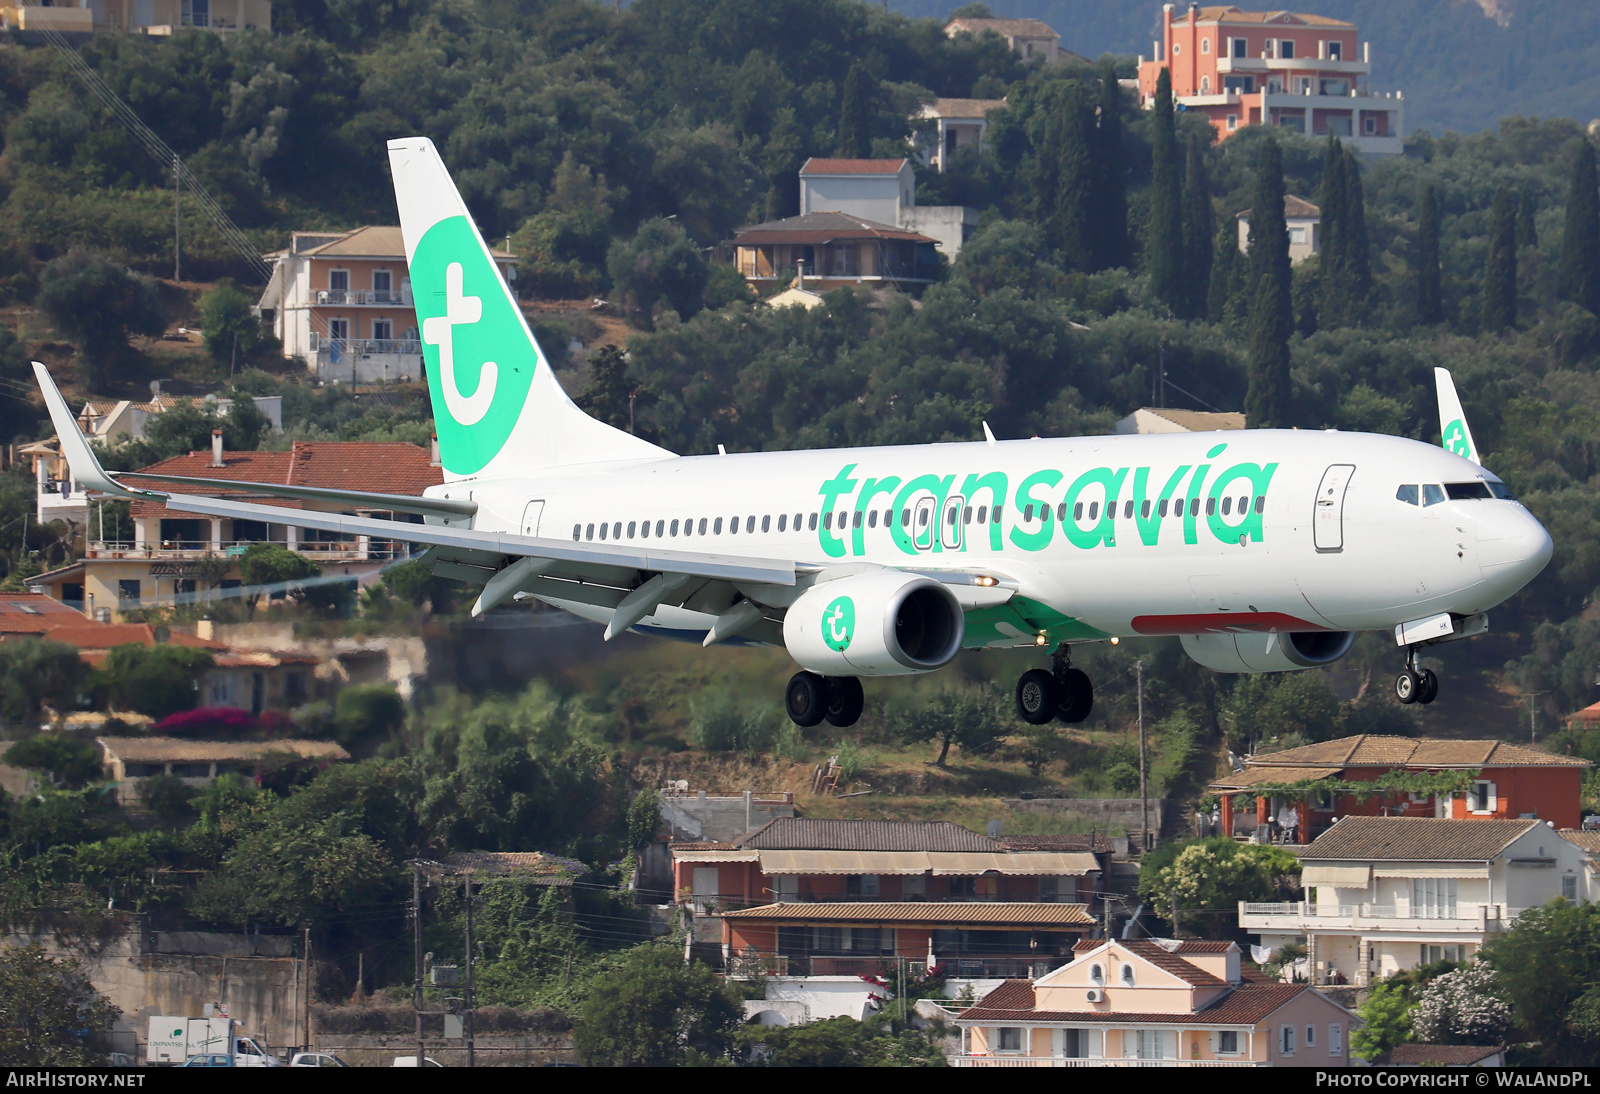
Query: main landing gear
point(1060, 691)
point(810, 698)
point(1416, 685)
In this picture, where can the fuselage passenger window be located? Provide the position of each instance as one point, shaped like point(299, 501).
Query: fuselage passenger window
point(702, 526)
point(631, 527)
point(577, 532)
point(983, 513)
point(783, 521)
point(588, 533)
point(811, 523)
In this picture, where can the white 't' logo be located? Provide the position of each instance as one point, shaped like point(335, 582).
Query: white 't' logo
point(438, 331)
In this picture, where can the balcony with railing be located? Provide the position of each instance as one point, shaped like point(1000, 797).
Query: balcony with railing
point(363, 298)
point(1305, 916)
point(367, 360)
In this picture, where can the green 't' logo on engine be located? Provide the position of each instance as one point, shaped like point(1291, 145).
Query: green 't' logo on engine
point(839, 623)
point(1455, 439)
point(480, 363)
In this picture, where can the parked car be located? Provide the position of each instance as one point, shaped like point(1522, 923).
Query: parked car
point(411, 1061)
point(120, 1059)
point(209, 1059)
point(316, 1059)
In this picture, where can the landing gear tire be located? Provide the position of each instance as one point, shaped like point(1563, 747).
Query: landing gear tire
point(845, 701)
point(1077, 696)
point(806, 699)
point(1430, 687)
point(1408, 686)
point(1038, 697)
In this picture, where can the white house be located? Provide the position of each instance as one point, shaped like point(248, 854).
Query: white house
point(1304, 221)
point(958, 124)
point(1384, 894)
point(884, 192)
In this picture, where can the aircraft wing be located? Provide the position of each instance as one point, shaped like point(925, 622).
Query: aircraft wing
point(631, 580)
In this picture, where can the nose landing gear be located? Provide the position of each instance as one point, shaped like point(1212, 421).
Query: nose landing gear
point(1416, 685)
point(1061, 692)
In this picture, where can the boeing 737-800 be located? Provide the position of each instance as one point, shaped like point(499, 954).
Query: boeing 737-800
point(1262, 550)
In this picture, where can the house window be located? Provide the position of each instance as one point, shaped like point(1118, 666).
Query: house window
point(788, 888)
point(844, 260)
point(1335, 53)
point(1432, 955)
point(1369, 126)
point(917, 884)
point(382, 286)
point(1126, 975)
point(1151, 1044)
point(962, 886)
point(1233, 122)
point(1433, 898)
point(1274, 86)
point(1297, 234)
point(861, 885)
point(128, 593)
point(1177, 48)
point(339, 330)
point(195, 13)
point(1334, 87)
point(1336, 1040)
point(1482, 797)
point(1076, 1044)
point(1241, 48)
point(1010, 1038)
point(1205, 45)
point(1228, 1043)
point(1097, 974)
point(338, 283)
point(1311, 1036)
point(1302, 85)
point(383, 330)
point(1205, 85)
point(1047, 890)
point(1569, 888)
point(1286, 1040)
point(1286, 49)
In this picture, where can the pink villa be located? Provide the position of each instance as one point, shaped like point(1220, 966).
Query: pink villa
point(1306, 73)
point(1154, 1003)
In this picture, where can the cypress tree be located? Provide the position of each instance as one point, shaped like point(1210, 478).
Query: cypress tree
point(1357, 248)
point(1430, 291)
point(1500, 269)
point(855, 115)
point(1580, 242)
point(1198, 231)
point(1111, 231)
point(1271, 311)
point(1226, 270)
point(1333, 305)
point(1164, 247)
point(1072, 225)
point(1527, 231)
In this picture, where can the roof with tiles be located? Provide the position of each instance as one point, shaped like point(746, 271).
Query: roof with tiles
point(957, 913)
point(1435, 1055)
point(372, 241)
point(33, 613)
point(1167, 961)
point(384, 468)
point(1094, 843)
point(104, 636)
point(1369, 750)
point(817, 165)
point(1415, 839)
point(1587, 838)
point(805, 834)
point(1006, 28)
point(961, 108)
point(1246, 1004)
point(181, 750)
point(824, 227)
point(1234, 15)
point(1171, 945)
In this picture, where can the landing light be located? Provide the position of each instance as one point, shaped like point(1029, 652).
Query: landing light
point(1041, 640)
point(988, 581)
point(1115, 640)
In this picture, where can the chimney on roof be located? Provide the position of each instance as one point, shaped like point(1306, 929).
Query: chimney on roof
point(205, 629)
point(433, 453)
point(216, 448)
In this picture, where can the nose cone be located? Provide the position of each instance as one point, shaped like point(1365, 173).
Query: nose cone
point(1512, 548)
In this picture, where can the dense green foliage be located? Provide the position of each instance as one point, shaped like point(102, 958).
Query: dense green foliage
point(879, 1041)
point(154, 680)
point(1547, 966)
point(50, 1015)
point(1197, 884)
point(655, 1011)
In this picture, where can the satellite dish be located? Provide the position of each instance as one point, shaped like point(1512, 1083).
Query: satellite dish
point(994, 829)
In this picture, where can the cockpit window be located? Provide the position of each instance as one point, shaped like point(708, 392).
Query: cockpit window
point(1407, 494)
point(1467, 491)
point(1432, 494)
point(1500, 490)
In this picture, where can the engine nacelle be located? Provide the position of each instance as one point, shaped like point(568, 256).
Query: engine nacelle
point(1284, 652)
point(874, 624)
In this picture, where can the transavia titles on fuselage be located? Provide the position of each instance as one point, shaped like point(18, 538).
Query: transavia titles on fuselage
point(1263, 551)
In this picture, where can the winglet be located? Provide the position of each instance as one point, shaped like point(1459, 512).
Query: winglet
point(1454, 433)
point(86, 469)
point(988, 434)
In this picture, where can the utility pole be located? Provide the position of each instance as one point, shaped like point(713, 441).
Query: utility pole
point(1144, 790)
point(471, 1002)
point(177, 219)
point(416, 924)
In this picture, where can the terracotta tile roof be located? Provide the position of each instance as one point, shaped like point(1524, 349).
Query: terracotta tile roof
point(1178, 946)
point(1435, 1055)
point(1415, 839)
point(1246, 1005)
point(819, 166)
point(824, 227)
point(181, 750)
point(805, 834)
point(961, 108)
point(1271, 776)
point(385, 468)
point(33, 613)
point(103, 636)
point(1234, 15)
point(1007, 28)
point(1166, 961)
point(1293, 207)
point(1095, 843)
point(914, 912)
point(373, 241)
point(1368, 750)
point(1587, 838)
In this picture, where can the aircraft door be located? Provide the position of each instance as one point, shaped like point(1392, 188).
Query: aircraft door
point(1327, 522)
point(950, 528)
point(530, 518)
point(924, 518)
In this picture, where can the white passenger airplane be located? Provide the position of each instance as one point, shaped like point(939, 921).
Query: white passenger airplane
point(1262, 551)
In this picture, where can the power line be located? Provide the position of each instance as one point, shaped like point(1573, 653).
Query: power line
point(159, 150)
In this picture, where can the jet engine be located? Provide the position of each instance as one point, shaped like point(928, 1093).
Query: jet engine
point(1284, 652)
point(874, 624)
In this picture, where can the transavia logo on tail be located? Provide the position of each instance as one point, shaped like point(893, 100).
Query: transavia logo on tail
point(1455, 439)
point(480, 361)
point(839, 623)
